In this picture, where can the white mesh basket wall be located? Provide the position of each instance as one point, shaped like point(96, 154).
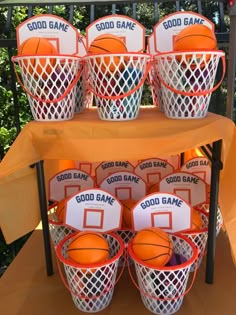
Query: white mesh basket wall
point(92, 288)
point(199, 238)
point(187, 81)
point(219, 217)
point(117, 84)
point(51, 84)
point(162, 289)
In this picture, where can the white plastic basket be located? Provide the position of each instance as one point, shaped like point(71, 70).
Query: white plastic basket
point(83, 97)
point(91, 287)
point(57, 229)
point(219, 218)
point(187, 81)
point(126, 235)
point(199, 239)
point(116, 81)
point(50, 84)
point(163, 289)
point(156, 89)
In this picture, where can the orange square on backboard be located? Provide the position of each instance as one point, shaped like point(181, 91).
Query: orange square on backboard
point(164, 216)
point(93, 215)
point(70, 190)
point(183, 193)
point(123, 193)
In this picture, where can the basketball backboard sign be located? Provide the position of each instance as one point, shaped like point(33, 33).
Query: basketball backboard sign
point(107, 168)
point(68, 182)
point(93, 210)
point(61, 33)
point(130, 30)
point(168, 27)
point(125, 185)
point(166, 211)
point(188, 186)
point(174, 160)
point(199, 166)
point(153, 170)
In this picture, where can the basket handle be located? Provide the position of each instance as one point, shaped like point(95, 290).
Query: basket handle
point(164, 299)
point(65, 93)
point(194, 93)
point(120, 96)
point(106, 290)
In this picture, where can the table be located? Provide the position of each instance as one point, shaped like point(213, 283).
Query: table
point(25, 289)
point(86, 138)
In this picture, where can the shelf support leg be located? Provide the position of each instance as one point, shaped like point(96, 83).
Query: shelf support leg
point(44, 216)
point(216, 166)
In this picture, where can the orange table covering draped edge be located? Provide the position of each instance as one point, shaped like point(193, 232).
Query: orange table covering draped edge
point(87, 138)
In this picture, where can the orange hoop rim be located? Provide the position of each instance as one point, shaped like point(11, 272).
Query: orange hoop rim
point(168, 268)
point(219, 53)
point(89, 266)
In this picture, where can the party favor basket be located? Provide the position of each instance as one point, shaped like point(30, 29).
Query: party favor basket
point(187, 81)
point(163, 289)
point(57, 229)
point(116, 81)
point(50, 84)
point(92, 286)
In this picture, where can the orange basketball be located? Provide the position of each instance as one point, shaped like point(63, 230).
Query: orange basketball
point(153, 246)
point(152, 188)
point(197, 222)
point(108, 43)
point(38, 46)
point(195, 37)
point(60, 210)
point(128, 204)
point(88, 248)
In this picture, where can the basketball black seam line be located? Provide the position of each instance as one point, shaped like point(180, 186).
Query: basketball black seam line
point(94, 46)
point(88, 248)
point(190, 35)
point(118, 40)
point(85, 234)
point(151, 244)
point(154, 257)
point(155, 234)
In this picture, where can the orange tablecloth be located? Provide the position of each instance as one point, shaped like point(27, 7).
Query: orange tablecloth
point(86, 138)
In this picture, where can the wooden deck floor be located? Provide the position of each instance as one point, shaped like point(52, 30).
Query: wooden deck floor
point(25, 289)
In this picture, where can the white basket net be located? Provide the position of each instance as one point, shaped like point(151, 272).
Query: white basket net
point(126, 236)
point(83, 97)
point(187, 81)
point(117, 84)
point(199, 239)
point(92, 288)
point(162, 290)
point(219, 218)
point(57, 230)
point(50, 84)
point(156, 90)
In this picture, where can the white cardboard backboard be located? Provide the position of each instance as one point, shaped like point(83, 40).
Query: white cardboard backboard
point(199, 166)
point(60, 32)
point(93, 210)
point(68, 182)
point(168, 27)
point(107, 168)
point(166, 211)
point(130, 30)
point(125, 185)
point(188, 186)
point(153, 170)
